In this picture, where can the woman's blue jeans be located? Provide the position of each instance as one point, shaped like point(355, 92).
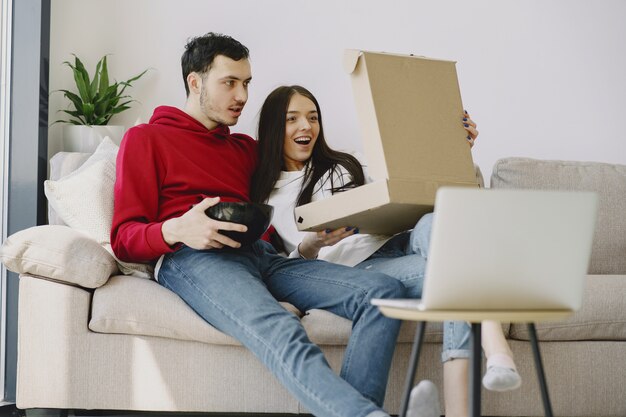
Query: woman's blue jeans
point(236, 290)
point(404, 258)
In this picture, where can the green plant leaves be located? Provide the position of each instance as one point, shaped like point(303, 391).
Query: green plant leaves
point(104, 76)
point(97, 99)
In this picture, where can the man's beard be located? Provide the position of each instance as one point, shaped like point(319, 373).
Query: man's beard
point(210, 113)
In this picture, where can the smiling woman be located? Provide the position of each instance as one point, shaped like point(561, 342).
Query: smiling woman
point(301, 130)
point(301, 127)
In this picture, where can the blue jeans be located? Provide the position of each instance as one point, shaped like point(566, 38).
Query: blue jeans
point(404, 258)
point(236, 291)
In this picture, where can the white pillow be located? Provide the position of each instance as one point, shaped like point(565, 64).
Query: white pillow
point(84, 200)
point(62, 164)
point(59, 253)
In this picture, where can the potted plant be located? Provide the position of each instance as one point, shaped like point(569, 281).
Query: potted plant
point(96, 101)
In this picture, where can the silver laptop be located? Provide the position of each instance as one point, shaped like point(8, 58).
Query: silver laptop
point(507, 250)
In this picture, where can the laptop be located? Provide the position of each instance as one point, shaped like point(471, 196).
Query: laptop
point(506, 250)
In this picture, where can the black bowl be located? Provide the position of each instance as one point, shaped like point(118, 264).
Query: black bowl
point(254, 215)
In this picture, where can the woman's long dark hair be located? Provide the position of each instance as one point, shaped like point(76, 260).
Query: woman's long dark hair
point(271, 137)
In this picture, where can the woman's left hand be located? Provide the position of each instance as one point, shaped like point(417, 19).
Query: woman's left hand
point(314, 241)
point(470, 127)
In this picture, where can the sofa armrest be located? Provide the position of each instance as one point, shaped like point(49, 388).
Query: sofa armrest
point(58, 253)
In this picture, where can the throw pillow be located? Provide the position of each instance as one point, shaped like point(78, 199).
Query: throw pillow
point(59, 253)
point(62, 164)
point(84, 201)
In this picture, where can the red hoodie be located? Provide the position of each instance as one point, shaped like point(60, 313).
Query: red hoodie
point(166, 166)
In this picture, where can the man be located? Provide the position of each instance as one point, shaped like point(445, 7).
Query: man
point(182, 162)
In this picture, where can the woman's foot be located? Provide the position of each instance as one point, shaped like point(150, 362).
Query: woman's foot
point(501, 374)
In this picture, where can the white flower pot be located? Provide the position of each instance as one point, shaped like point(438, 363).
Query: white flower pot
point(87, 138)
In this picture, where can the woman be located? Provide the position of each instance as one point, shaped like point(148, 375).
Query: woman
point(297, 167)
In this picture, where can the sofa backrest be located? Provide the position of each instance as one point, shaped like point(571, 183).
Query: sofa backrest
point(608, 255)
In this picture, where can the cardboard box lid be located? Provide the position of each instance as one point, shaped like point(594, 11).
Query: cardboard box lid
point(410, 113)
point(381, 207)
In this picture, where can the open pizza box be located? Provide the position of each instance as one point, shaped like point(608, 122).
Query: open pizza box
point(410, 114)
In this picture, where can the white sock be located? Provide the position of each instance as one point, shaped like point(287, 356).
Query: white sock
point(424, 400)
point(501, 373)
point(378, 413)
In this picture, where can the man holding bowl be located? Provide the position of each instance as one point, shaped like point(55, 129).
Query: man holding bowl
point(185, 161)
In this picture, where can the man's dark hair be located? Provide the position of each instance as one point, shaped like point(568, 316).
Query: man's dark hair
point(202, 50)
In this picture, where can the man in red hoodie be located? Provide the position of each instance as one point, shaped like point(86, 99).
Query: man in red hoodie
point(182, 162)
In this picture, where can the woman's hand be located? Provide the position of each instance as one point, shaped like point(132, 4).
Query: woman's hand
point(314, 241)
point(470, 126)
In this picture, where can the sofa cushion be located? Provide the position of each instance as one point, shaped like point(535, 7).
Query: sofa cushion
point(83, 199)
point(143, 307)
point(325, 328)
point(608, 181)
point(127, 305)
point(602, 316)
point(59, 253)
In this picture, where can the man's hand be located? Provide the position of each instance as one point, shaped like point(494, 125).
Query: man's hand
point(313, 242)
point(198, 231)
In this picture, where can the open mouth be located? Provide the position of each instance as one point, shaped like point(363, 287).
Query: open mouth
point(303, 140)
point(236, 110)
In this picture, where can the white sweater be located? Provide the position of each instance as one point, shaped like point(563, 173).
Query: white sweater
point(349, 251)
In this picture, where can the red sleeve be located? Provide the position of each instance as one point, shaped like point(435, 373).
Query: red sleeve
point(267, 236)
point(136, 232)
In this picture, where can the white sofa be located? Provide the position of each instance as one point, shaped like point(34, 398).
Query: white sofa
point(90, 338)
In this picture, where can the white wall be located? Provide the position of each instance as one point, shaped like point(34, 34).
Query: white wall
point(543, 79)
